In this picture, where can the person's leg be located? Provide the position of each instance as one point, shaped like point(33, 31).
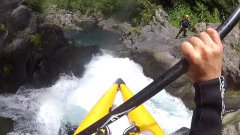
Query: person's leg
point(184, 32)
point(180, 31)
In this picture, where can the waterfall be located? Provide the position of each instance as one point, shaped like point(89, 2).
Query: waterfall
point(47, 111)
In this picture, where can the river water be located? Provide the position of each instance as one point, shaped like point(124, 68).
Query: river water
point(57, 109)
point(45, 111)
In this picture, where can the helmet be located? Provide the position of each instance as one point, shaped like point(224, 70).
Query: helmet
point(186, 16)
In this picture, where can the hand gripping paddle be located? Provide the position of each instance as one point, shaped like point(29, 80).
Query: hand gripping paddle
point(156, 86)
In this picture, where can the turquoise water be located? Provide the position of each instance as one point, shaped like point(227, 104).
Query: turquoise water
point(93, 35)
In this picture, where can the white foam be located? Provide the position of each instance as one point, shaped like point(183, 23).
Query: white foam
point(70, 98)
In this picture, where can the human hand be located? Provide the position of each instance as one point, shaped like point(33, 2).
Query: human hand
point(204, 55)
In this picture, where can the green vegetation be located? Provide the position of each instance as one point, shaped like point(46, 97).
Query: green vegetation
point(35, 5)
point(37, 42)
point(144, 12)
point(7, 69)
point(202, 15)
point(140, 12)
point(199, 11)
point(238, 50)
point(232, 93)
point(2, 27)
point(135, 30)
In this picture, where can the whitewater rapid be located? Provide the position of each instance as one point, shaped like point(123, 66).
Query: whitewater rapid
point(46, 111)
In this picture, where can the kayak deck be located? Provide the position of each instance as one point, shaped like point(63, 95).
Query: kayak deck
point(140, 116)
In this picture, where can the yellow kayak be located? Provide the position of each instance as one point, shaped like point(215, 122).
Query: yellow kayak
point(140, 116)
point(101, 108)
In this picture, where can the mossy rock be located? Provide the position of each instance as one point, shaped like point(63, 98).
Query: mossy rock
point(37, 41)
point(2, 27)
point(6, 125)
point(7, 69)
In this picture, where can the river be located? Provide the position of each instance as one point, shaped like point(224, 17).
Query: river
point(56, 110)
point(46, 111)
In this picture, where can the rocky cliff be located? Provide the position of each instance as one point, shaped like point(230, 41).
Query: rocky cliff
point(156, 49)
point(34, 53)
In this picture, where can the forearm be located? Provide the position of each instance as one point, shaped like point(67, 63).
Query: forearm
point(207, 116)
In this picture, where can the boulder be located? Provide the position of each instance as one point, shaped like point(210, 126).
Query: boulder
point(231, 118)
point(20, 17)
point(6, 8)
point(6, 125)
point(232, 102)
point(38, 53)
point(199, 27)
point(64, 18)
point(12, 65)
point(231, 129)
point(231, 67)
point(52, 38)
point(181, 131)
point(67, 60)
point(160, 16)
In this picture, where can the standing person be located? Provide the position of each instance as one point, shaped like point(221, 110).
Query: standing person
point(185, 25)
point(204, 55)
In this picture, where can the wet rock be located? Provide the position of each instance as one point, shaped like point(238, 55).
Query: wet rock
point(181, 131)
point(231, 118)
point(160, 16)
point(20, 17)
point(6, 7)
point(6, 125)
point(52, 39)
point(110, 24)
point(233, 129)
point(231, 123)
point(12, 65)
point(232, 102)
point(64, 18)
point(68, 60)
point(35, 53)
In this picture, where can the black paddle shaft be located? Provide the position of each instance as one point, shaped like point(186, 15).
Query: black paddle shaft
point(156, 86)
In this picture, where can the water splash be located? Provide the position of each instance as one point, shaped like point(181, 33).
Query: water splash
point(45, 111)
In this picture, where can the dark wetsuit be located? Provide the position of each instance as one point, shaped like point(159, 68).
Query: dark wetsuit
point(185, 24)
point(207, 117)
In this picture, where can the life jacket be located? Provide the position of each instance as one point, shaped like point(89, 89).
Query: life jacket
point(185, 23)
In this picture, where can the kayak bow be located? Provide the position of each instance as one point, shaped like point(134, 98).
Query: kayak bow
point(140, 116)
point(100, 109)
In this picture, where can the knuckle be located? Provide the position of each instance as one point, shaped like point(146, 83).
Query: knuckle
point(184, 44)
point(202, 34)
point(193, 39)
